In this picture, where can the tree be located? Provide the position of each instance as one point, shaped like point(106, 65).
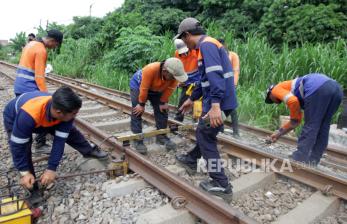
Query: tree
point(162, 20)
point(18, 42)
point(112, 25)
point(84, 27)
point(294, 22)
point(133, 48)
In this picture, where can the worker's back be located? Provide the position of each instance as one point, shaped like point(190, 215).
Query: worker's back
point(31, 66)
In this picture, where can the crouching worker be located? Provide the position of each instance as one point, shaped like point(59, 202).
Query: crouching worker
point(155, 82)
point(39, 112)
point(319, 97)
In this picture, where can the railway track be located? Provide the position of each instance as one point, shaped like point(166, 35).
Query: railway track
point(333, 151)
point(106, 112)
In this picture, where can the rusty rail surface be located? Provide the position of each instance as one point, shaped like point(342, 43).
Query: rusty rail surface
point(199, 203)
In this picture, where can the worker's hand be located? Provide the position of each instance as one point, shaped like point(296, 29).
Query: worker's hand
point(215, 115)
point(164, 107)
point(181, 84)
point(186, 106)
point(138, 110)
point(27, 180)
point(48, 177)
point(274, 137)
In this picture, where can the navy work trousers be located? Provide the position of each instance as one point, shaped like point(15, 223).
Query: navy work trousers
point(319, 110)
point(160, 117)
point(206, 146)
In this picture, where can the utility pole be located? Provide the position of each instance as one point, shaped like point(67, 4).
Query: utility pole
point(90, 9)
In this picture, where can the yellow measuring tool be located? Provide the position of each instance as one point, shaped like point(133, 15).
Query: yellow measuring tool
point(140, 136)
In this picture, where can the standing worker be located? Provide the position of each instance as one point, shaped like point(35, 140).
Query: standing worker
point(319, 97)
point(235, 62)
point(39, 112)
point(218, 95)
point(31, 71)
point(155, 82)
point(32, 64)
point(189, 58)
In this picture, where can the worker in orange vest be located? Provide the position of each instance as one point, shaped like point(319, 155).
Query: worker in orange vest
point(155, 82)
point(319, 96)
point(189, 58)
point(31, 71)
point(235, 62)
point(40, 112)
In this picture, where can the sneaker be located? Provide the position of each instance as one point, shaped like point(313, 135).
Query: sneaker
point(164, 140)
point(96, 153)
point(187, 163)
point(140, 147)
point(213, 187)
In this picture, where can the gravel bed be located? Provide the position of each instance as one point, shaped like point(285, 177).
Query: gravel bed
point(266, 205)
point(80, 199)
point(339, 218)
point(83, 200)
point(165, 158)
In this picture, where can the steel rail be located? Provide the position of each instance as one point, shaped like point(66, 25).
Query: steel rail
point(309, 176)
point(312, 177)
point(199, 203)
point(332, 150)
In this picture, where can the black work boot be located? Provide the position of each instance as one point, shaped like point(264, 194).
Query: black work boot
point(140, 147)
point(164, 140)
point(189, 164)
point(235, 124)
point(213, 187)
point(96, 153)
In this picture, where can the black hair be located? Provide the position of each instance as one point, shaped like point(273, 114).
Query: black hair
point(66, 100)
point(31, 35)
point(221, 40)
point(56, 35)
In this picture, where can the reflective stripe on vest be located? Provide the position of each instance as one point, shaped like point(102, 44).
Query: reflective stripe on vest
point(214, 68)
point(25, 73)
point(286, 97)
point(301, 87)
point(16, 105)
point(225, 75)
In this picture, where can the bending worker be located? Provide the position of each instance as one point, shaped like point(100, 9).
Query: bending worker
point(31, 71)
point(155, 82)
point(189, 58)
point(39, 112)
point(319, 97)
point(218, 95)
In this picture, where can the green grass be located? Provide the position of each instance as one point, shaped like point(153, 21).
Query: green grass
point(261, 65)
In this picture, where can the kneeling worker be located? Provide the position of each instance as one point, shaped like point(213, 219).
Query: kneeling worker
point(39, 112)
point(319, 97)
point(155, 82)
